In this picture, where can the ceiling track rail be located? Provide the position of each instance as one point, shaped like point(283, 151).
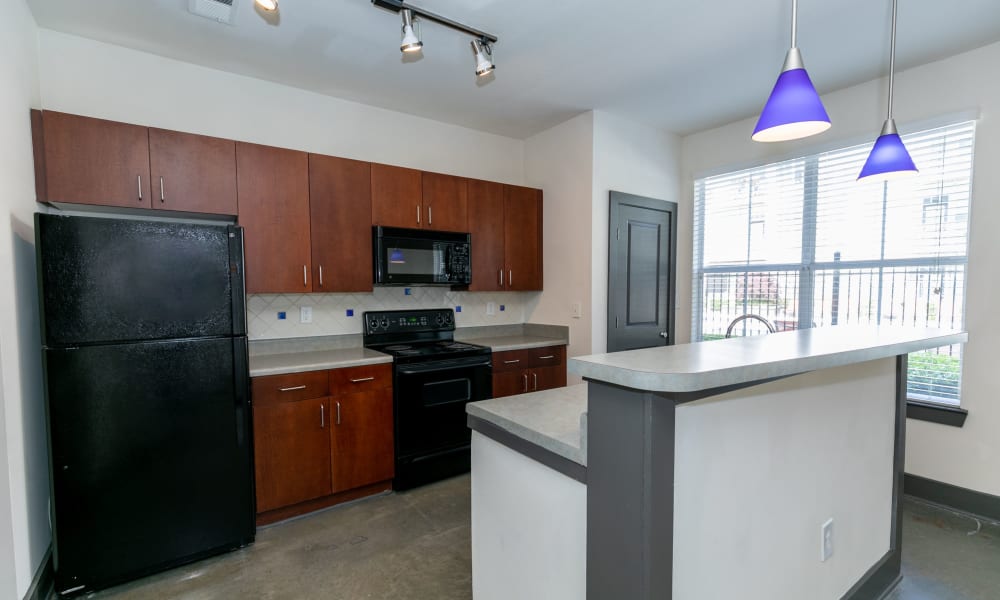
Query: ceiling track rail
point(398, 5)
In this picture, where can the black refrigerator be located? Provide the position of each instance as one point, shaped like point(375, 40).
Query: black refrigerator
point(147, 389)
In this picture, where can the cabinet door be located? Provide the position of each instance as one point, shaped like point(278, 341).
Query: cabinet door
point(192, 173)
point(92, 161)
point(396, 197)
point(485, 210)
point(523, 237)
point(510, 383)
point(444, 200)
point(547, 378)
point(340, 202)
point(273, 187)
point(362, 440)
point(291, 452)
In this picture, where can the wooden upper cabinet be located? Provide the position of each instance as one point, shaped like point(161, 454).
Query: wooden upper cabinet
point(273, 188)
point(485, 208)
point(340, 202)
point(192, 173)
point(93, 161)
point(445, 202)
point(396, 197)
point(523, 237)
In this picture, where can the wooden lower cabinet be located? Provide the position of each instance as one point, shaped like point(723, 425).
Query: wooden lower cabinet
point(530, 370)
point(314, 452)
point(291, 452)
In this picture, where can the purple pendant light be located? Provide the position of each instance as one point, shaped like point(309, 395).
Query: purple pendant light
point(889, 158)
point(793, 109)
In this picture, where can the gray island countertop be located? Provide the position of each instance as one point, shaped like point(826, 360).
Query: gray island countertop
point(719, 363)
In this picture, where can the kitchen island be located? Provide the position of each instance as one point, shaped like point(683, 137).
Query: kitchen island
point(713, 470)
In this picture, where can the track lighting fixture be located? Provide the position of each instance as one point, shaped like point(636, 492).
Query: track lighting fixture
point(793, 109)
point(411, 41)
point(482, 42)
point(889, 158)
point(484, 57)
point(267, 5)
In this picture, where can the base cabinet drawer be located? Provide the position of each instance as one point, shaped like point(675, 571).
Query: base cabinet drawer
point(530, 370)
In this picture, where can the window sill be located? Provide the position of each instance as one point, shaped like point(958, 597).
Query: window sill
point(936, 413)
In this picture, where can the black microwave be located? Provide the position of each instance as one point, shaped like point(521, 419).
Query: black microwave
point(421, 257)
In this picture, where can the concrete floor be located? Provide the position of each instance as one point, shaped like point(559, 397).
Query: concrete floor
point(416, 545)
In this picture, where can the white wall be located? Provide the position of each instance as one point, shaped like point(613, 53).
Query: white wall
point(759, 471)
point(970, 456)
point(560, 161)
point(24, 527)
point(86, 77)
point(636, 159)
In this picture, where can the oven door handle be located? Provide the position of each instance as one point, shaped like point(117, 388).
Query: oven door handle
point(442, 365)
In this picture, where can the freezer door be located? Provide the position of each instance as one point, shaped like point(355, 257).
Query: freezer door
point(150, 447)
point(114, 280)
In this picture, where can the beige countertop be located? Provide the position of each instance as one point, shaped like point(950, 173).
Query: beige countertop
point(315, 360)
point(516, 342)
point(708, 365)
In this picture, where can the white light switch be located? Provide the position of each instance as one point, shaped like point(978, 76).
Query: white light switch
point(306, 314)
point(577, 310)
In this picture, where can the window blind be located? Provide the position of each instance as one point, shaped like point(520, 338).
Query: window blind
point(802, 243)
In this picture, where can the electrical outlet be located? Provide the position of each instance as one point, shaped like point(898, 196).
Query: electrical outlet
point(306, 314)
point(826, 544)
point(577, 310)
point(491, 308)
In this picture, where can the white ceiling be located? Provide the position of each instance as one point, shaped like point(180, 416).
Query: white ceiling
point(681, 66)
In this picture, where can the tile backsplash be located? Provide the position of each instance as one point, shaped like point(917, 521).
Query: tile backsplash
point(330, 311)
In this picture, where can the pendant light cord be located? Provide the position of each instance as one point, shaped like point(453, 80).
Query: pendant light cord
point(795, 20)
point(892, 55)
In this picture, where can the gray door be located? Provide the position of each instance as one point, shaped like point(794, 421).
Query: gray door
point(641, 261)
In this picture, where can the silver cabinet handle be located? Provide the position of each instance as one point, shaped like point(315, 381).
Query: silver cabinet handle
point(362, 380)
point(511, 362)
point(305, 276)
point(535, 375)
point(139, 179)
point(500, 271)
point(418, 214)
point(510, 278)
point(430, 215)
point(338, 413)
point(526, 382)
point(546, 357)
point(322, 416)
point(292, 389)
point(321, 276)
point(162, 197)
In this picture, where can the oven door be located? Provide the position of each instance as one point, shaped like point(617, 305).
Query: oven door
point(430, 401)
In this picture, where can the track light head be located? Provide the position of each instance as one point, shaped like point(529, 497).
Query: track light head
point(484, 57)
point(267, 5)
point(410, 41)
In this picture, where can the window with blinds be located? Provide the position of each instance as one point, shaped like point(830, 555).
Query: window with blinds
point(802, 243)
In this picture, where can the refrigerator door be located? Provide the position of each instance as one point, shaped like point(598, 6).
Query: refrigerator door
point(150, 457)
point(113, 280)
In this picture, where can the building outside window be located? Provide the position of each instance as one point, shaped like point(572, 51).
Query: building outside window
point(802, 243)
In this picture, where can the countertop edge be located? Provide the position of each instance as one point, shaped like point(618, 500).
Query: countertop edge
point(523, 432)
point(316, 366)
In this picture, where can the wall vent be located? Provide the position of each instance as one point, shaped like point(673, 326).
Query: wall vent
point(221, 11)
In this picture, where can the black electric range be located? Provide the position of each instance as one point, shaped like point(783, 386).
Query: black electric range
point(434, 377)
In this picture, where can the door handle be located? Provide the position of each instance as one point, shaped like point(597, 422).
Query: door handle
point(162, 196)
point(322, 417)
point(525, 383)
point(338, 413)
point(536, 381)
point(430, 215)
point(321, 276)
point(305, 276)
point(551, 356)
point(292, 389)
point(362, 380)
point(664, 334)
point(139, 179)
point(418, 214)
point(510, 278)
point(511, 362)
point(500, 271)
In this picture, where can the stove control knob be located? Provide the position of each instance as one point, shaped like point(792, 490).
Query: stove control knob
point(447, 318)
point(385, 322)
point(439, 320)
point(372, 323)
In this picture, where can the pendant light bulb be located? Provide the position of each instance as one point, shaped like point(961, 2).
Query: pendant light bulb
point(267, 5)
point(410, 41)
point(484, 61)
point(889, 158)
point(794, 109)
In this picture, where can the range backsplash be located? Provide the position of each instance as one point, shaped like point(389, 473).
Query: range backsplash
point(330, 311)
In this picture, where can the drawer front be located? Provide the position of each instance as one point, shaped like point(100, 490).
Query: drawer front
point(360, 379)
point(511, 360)
point(549, 356)
point(275, 389)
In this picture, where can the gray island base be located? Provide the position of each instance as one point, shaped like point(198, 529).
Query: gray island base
point(713, 469)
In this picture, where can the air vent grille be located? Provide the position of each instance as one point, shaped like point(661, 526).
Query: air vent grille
point(221, 11)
